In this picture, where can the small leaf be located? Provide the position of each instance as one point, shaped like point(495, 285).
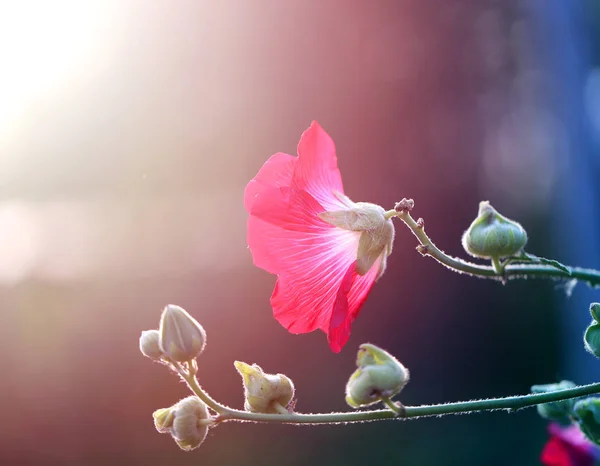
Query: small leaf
point(588, 417)
point(526, 257)
point(557, 411)
point(555, 264)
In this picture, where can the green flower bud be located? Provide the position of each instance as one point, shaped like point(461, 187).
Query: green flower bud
point(591, 338)
point(379, 375)
point(264, 393)
point(492, 235)
point(595, 311)
point(149, 344)
point(587, 412)
point(182, 338)
point(558, 411)
point(187, 421)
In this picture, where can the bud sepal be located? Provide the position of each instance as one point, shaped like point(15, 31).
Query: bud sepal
point(376, 232)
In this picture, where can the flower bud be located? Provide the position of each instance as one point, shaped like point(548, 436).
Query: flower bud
point(492, 235)
point(595, 311)
point(558, 411)
point(182, 338)
point(379, 375)
point(264, 392)
point(188, 429)
point(149, 344)
point(591, 338)
point(587, 412)
point(187, 421)
point(377, 232)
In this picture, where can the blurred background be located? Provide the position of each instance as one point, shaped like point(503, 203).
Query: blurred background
point(128, 131)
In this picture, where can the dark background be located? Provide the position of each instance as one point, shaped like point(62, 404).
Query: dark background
point(128, 131)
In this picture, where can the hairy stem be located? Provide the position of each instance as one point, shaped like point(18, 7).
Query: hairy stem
point(189, 376)
point(510, 404)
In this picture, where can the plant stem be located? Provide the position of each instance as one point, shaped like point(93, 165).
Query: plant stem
point(510, 404)
point(280, 408)
point(428, 248)
point(189, 376)
point(497, 265)
point(398, 409)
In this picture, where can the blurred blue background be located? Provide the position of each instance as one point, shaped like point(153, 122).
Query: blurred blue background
point(128, 131)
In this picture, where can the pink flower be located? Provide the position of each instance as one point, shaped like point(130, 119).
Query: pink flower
point(568, 447)
point(326, 250)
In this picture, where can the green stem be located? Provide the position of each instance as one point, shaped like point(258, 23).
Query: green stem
point(428, 248)
point(280, 408)
point(396, 408)
point(497, 265)
point(509, 404)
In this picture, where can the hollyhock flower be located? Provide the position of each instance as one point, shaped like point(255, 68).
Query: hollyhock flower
point(326, 250)
point(569, 447)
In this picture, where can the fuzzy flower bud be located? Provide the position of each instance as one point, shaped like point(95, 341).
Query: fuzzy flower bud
point(379, 375)
point(595, 311)
point(377, 232)
point(187, 421)
point(188, 429)
point(558, 411)
point(591, 338)
point(264, 393)
point(492, 235)
point(182, 338)
point(149, 344)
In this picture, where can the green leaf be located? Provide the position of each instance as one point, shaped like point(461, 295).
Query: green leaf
point(558, 411)
point(587, 412)
point(526, 257)
point(555, 264)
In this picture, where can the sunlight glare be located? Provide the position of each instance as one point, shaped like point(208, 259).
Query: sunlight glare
point(42, 45)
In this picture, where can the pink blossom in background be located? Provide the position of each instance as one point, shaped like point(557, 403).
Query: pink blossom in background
point(568, 447)
point(304, 229)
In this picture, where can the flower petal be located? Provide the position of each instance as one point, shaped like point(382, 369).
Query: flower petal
point(311, 275)
point(555, 453)
point(276, 172)
point(280, 217)
point(328, 296)
point(351, 295)
point(317, 170)
point(318, 285)
point(567, 447)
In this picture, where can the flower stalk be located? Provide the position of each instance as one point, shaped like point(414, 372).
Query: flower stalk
point(510, 404)
point(188, 374)
point(500, 272)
